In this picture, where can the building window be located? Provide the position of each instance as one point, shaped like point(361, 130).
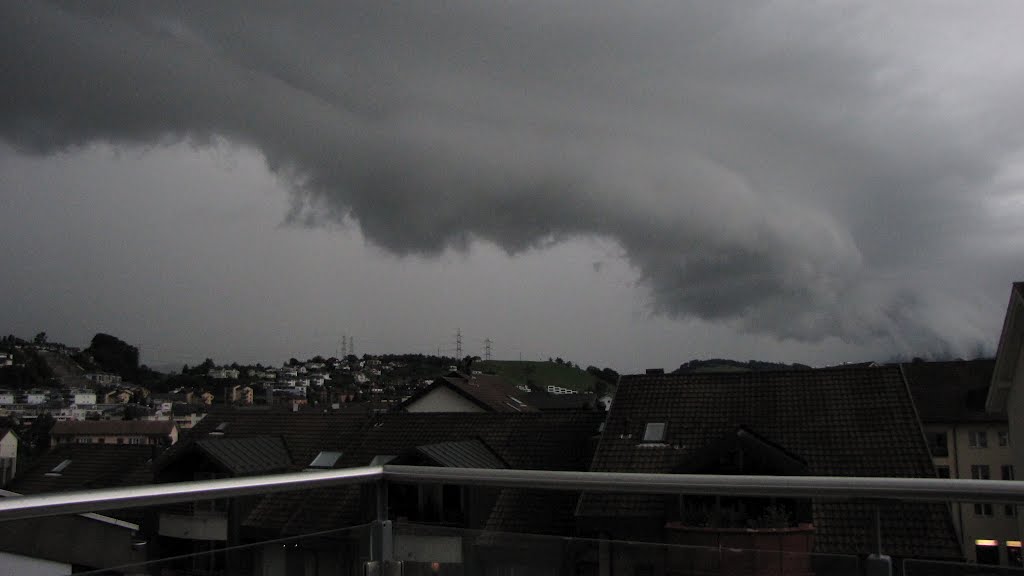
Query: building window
point(983, 509)
point(977, 439)
point(938, 444)
point(1013, 555)
point(987, 552)
point(655, 432)
point(135, 440)
point(942, 471)
point(1011, 511)
point(1007, 470)
point(1004, 438)
point(980, 472)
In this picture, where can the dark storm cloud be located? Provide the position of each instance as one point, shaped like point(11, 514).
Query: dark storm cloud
point(793, 169)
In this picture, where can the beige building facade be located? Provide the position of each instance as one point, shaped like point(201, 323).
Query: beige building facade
point(968, 442)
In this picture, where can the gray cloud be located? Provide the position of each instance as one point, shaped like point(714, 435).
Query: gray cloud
point(795, 171)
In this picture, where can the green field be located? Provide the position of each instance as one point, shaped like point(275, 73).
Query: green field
point(542, 374)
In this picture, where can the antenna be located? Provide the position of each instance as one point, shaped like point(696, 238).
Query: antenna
point(458, 344)
point(487, 349)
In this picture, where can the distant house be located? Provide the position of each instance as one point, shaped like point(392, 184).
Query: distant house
point(7, 398)
point(967, 442)
point(83, 397)
point(459, 392)
point(8, 455)
point(829, 422)
point(223, 373)
point(127, 432)
point(103, 378)
point(6, 359)
point(37, 397)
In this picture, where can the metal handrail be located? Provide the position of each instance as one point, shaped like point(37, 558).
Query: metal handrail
point(900, 489)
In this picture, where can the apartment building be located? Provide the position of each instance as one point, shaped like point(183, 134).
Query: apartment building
point(967, 442)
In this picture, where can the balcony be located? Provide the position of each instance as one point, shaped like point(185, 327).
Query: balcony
point(59, 526)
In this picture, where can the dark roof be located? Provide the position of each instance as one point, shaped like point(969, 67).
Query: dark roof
point(553, 441)
point(92, 466)
point(841, 422)
point(461, 454)
point(304, 434)
point(112, 427)
point(951, 391)
point(244, 456)
point(490, 392)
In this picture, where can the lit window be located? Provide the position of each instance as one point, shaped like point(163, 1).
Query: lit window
point(655, 432)
point(986, 551)
point(1013, 554)
point(977, 439)
point(1004, 438)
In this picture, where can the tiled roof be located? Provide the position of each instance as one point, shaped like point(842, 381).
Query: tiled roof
point(557, 441)
point(841, 422)
point(951, 391)
point(245, 456)
point(112, 427)
point(92, 466)
point(490, 392)
point(305, 434)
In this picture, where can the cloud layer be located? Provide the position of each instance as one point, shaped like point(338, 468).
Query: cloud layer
point(797, 171)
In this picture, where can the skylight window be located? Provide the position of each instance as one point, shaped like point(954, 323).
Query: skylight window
point(325, 459)
point(59, 468)
point(655, 432)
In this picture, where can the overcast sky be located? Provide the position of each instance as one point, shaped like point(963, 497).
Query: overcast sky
point(625, 184)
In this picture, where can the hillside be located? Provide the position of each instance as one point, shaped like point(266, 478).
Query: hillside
point(723, 365)
point(542, 374)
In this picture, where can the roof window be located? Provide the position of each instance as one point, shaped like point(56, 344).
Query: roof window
point(59, 468)
point(655, 432)
point(325, 459)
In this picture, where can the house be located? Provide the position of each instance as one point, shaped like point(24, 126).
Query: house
point(470, 393)
point(521, 440)
point(828, 422)
point(6, 398)
point(967, 442)
point(83, 397)
point(72, 543)
point(1006, 391)
point(129, 432)
point(103, 378)
point(6, 359)
point(8, 455)
point(223, 373)
point(230, 444)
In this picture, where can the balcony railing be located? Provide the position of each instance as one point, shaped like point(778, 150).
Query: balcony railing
point(382, 534)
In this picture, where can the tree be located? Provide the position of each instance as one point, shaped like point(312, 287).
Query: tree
point(114, 355)
point(40, 338)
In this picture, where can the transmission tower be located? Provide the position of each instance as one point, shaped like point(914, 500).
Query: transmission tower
point(344, 346)
point(458, 344)
point(487, 349)
point(352, 345)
